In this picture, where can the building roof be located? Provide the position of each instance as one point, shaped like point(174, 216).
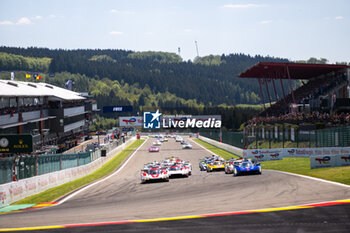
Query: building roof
point(29, 89)
point(277, 70)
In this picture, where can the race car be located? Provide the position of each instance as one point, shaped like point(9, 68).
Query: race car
point(157, 143)
point(154, 173)
point(165, 139)
point(203, 165)
point(178, 139)
point(188, 166)
point(229, 165)
point(178, 170)
point(153, 149)
point(215, 165)
point(247, 167)
point(187, 146)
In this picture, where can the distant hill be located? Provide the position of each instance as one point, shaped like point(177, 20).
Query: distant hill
point(210, 80)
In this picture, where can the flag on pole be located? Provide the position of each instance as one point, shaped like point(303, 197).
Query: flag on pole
point(28, 76)
point(12, 76)
point(38, 77)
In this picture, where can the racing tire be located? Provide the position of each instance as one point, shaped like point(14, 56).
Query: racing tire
point(143, 181)
point(235, 172)
point(259, 171)
point(166, 179)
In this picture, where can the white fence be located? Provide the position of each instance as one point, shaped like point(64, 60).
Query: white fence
point(15, 191)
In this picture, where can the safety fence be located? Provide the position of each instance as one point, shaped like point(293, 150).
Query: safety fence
point(231, 138)
point(25, 166)
point(292, 136)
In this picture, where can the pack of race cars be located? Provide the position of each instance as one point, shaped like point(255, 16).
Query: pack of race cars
point(232, 166)
point(174, 166)
point(163, 170)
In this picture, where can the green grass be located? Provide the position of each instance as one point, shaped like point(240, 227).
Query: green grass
point(223, 153)
point(302, 166)
point(294, 165)
point(59, 191)
point(254, 106)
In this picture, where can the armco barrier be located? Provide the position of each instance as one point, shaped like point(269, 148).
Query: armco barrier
point(15, 191)
point(232, 149)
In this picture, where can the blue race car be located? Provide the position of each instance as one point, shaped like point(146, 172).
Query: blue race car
point(247, 167)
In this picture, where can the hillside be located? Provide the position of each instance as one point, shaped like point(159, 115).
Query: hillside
point(210, 80)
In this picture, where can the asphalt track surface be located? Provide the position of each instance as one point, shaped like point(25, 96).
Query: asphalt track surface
point(123, 198)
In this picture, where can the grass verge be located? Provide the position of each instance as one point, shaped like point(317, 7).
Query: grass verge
point(294, 165)
point(59, 191)
point(302, 166)
point(224, 154)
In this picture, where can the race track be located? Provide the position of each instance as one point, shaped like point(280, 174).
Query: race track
point(122, 197)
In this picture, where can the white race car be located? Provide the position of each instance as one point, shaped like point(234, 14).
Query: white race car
point(187, 146)
point(154, 173)
point(230, 165)
point(178, 169)
point(188, 166)
point(157, 143)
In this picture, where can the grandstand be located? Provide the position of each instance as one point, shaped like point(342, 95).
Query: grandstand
point(52, 115)
point(326, 88)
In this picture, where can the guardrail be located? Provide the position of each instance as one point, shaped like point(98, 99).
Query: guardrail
point(17, 190)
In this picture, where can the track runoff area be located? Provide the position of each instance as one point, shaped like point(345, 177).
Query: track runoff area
point(215, 201)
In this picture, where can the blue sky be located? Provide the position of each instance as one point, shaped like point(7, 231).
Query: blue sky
point(294, 29)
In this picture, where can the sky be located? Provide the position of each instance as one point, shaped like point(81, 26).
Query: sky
point(293, 29)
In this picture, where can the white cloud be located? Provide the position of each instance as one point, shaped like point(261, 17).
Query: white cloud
point(339, 17)
point(115, 33)
point(6, 22)
point(249, 5)
point(266, 21)
point(114, 11)
point(24, 20)
point(38, 17)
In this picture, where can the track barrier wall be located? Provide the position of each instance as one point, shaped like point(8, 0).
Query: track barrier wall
point(17, 190)
point(232, 149)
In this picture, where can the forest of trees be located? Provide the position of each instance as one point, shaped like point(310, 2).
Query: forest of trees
point(210, 80)
point(208, 85)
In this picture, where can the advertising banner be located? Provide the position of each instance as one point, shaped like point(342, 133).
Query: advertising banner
point(321, 161)
point(263, 154)
point(130, 121)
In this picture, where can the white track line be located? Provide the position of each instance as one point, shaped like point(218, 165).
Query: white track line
point(99, 181)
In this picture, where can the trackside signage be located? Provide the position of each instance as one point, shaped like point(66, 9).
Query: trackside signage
point(263, 154)
point(319, 157)
point(130, 121)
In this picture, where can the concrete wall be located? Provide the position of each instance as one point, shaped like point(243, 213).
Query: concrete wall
point(229, 148)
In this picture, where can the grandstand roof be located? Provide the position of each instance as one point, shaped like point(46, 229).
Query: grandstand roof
point(277, 70)
point(29, 89)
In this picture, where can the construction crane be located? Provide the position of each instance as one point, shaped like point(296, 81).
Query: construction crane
point(196, 48)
